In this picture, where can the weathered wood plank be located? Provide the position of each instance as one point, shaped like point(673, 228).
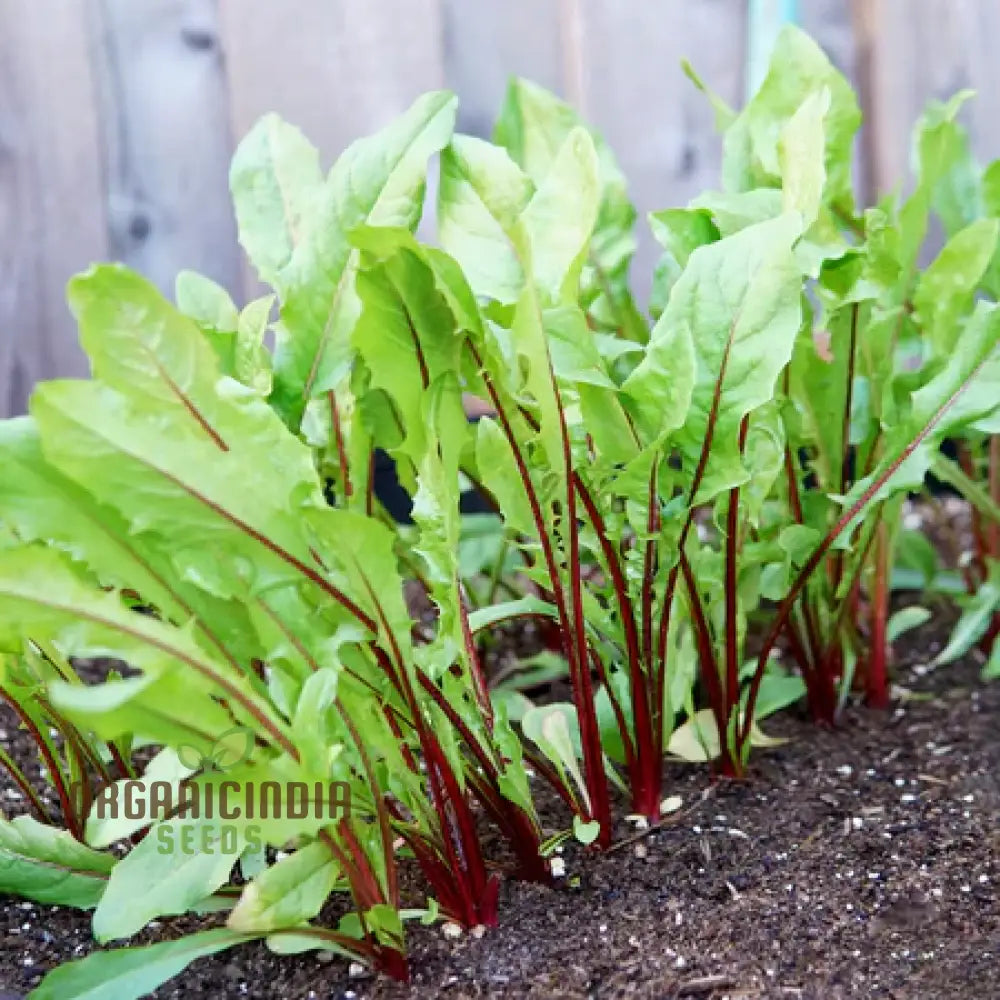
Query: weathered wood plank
point(929, 49)
point(337, 70)
point(635, 93)
point(51, 204)
point(167, 144)
point(487, 42)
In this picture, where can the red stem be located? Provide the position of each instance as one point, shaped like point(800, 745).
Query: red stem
point(877, 680)
point(338, 436)
point(785, 608)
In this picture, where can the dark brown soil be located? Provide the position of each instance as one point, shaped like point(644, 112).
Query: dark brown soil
point(856, 863)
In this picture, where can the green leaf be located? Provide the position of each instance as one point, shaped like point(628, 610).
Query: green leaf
point(740, 301)
point(991, 670)
point(290, 892)
point(551, 728)
point(177, 864)
point(139, 343)
point(778, 690)
point(277, 187)
point(130, 973)
point(964, 391)
point(44, 505)
point(798, 69)
point(378, 181)
point(206, 302)
point(481, 197)
point(533, 125)
point(529, 605)
point(972, 624)
point(586, 833)
point(658, 392)
point(946, 288)
point(560, 217)
point(696, 740)
point(800, 156)
point(906, 619)
point(47, 865)
point(106, 825)
point(39, 594)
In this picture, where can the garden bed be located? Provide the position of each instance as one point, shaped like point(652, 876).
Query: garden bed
point(855, 863)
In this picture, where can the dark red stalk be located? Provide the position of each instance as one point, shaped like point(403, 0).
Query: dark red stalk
point(645, 763)
point(55, 774)
point(785, 608)
point(387, 960)
point(524, 835)
point(732, 693)
point(338, 437)
point(590, 733)
point(472, 655)
point(385, 834)
point(877, 679)
point(699, 473)
point(993, 535)
point(812, 663)
point(968, 465)
point(25, 786)
point(572, 627)
point(455, 820)
point(706, 649)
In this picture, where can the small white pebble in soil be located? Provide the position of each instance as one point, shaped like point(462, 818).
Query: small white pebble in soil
point(968, 798)
point(678, 918)
point(907, 797)
point(966, 888)
point(558, 867)
point(634, 941)
point(670, 804)
point(451, 930)
point(983, 879)
point(845, 770)
point(899, 782)
point(641, 851)
point(857, 822)
point(478, 931)
point(680, 962)
point(355, 970)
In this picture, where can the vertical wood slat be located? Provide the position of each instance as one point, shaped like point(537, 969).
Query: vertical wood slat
point(165, 122)
point(337, 70)
point(929, 49)
point(487, 42)
point(51, 214)
point(634, 91)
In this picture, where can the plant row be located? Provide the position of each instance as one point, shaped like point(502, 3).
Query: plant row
point(700, 509)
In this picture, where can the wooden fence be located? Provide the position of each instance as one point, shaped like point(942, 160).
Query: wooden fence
point(118, 117)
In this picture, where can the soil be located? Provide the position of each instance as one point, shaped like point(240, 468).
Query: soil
point(860, 862)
